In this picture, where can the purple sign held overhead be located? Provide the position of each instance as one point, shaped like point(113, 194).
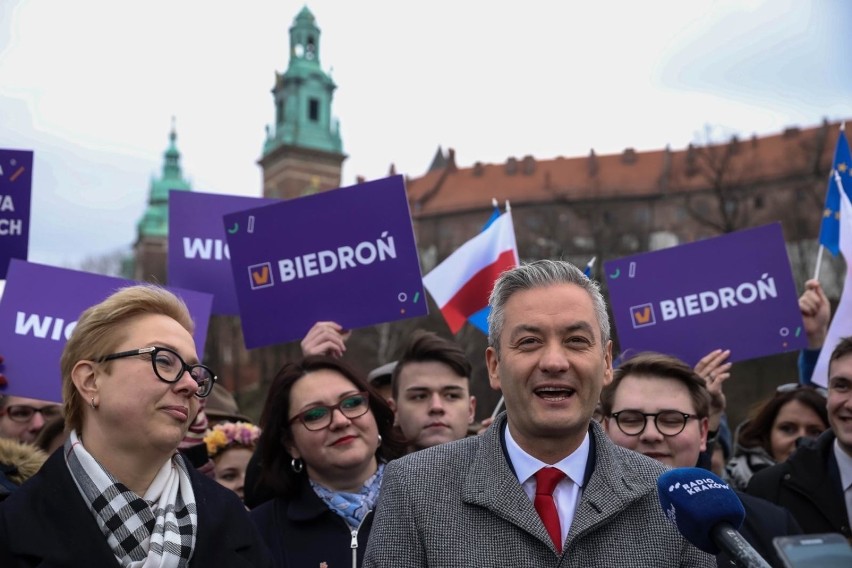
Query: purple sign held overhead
point(16, 177)
point(38, 312)
point(346, 255)
point(199, 258)
point(732, 292)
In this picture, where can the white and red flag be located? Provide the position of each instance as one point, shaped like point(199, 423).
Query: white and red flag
point(462, 283)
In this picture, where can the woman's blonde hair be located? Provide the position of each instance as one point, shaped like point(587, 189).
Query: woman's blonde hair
point(101, 329)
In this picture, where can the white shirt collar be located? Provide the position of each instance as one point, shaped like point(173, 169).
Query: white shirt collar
point(526, 466)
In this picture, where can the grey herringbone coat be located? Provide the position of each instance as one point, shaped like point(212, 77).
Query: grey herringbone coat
point(459, 505)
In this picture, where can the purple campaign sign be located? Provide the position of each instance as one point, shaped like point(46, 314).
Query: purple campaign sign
point(732, 292)
point(346, 255)
point(38, 311)
point(198, 252)
point(16, 177)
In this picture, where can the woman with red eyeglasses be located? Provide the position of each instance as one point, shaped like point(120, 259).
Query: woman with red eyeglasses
point(326, 437)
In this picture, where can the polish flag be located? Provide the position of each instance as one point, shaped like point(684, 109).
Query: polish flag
point(462, 283)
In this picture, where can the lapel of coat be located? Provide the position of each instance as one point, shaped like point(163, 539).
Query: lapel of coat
point(817, 467)
point(610, 488)
point(491, 483)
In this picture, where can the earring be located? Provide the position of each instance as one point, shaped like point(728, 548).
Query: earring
point(95, 406)
point(297, 465)
point(380, 439)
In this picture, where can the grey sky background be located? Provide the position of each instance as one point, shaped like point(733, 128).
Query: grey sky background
point(91, 87)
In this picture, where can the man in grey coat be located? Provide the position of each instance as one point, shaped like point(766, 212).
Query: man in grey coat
point(544, 486)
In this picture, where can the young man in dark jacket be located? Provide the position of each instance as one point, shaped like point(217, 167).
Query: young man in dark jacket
point(815, 484)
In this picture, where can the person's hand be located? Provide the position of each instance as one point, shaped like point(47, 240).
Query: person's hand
point(816, 313)
point(325, 338)
point(715, 369)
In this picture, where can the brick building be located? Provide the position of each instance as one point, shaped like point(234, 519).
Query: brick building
point(574, 208)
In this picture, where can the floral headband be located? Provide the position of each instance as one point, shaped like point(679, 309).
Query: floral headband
point(229, 434)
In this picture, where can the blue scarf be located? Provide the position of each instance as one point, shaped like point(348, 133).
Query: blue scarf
point(353, 507)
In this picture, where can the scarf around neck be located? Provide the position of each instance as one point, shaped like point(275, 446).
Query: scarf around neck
point(157, 530)
point(353, 507)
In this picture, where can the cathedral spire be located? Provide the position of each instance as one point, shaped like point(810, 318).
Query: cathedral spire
point(303, 95)
point(303, 151)
point(155, 221)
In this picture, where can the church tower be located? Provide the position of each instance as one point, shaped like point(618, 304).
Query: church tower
point(153, 229)
point(303, 152)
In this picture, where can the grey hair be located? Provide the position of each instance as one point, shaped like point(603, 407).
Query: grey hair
point(538, 274)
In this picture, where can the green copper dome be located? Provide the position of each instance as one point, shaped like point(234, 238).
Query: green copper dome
point(303, 95)
point(155, 221)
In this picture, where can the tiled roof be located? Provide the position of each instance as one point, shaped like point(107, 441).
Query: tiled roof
point(629, 174)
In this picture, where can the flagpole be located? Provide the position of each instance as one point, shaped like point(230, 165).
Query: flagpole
point(818, 262)
point(497, 408)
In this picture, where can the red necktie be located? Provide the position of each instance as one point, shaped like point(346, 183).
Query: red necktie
point(545, 482)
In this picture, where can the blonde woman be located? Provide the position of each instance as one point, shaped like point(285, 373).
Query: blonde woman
point(118, 493)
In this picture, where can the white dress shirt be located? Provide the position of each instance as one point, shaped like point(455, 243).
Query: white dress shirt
point(568, 491)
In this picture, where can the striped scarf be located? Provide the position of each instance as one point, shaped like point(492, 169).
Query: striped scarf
point(155, 531)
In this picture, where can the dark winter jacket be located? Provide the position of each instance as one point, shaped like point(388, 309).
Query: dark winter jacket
point(807, 485)
point(47, 523)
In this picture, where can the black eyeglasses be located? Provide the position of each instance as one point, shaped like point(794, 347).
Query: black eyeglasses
point(319, 417)
point(24, 413)
point(170, 367)
point(668, 422)
point(790, 387)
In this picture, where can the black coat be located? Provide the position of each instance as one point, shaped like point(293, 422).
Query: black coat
point(807, 485)
point(47, 523)
point(763, 522)
point(304, 532)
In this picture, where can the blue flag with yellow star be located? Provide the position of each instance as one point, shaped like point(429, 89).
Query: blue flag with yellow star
point(829, 230)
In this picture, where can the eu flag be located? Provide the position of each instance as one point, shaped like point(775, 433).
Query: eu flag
point(829, 230)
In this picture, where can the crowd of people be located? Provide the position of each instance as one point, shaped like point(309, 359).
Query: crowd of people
point(149, 462)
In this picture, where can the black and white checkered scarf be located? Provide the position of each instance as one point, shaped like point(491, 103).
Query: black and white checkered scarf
point(157, 530)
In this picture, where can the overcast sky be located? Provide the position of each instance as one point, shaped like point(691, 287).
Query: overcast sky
point(91, 87)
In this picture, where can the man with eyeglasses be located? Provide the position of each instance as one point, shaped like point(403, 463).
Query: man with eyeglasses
point(23, 418)
point(659, 406)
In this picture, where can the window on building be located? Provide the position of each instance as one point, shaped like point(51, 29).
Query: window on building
point(313, 110)
point(642, 215)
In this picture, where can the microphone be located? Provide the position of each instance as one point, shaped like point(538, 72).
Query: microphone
point(707, 513)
